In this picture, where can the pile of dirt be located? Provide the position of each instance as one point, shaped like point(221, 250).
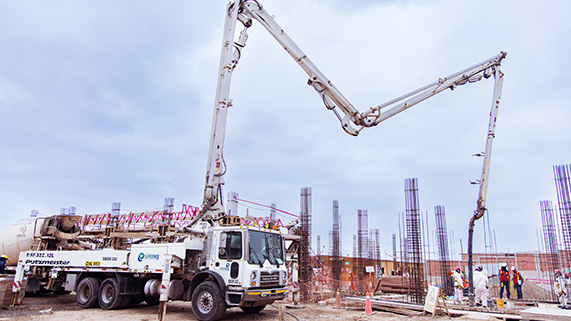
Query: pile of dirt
point(530, 291)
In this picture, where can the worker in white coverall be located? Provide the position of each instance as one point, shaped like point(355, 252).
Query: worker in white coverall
point(458, 285)
point(568, 284)
point(560, 289)
point(481, 286)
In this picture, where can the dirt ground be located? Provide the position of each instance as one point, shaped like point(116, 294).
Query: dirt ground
point(63, 307)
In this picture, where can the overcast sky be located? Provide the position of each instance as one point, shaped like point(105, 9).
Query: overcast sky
point(106, 101)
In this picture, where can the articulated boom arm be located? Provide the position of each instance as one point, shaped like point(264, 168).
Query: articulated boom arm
point(352, 121)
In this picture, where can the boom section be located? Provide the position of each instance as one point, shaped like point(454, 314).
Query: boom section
point(353, 121)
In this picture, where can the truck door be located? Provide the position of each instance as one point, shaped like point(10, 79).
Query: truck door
point(230, 256)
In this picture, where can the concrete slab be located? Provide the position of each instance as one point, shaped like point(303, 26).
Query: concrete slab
point(474, 315)
point(546, 313)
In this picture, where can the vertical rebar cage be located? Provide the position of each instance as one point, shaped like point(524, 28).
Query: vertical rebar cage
point(563, 187)
point(362, 246)
point(443, 252)
point(336, 263)
point(305, 270)
point(414, 240)
point(550, 240)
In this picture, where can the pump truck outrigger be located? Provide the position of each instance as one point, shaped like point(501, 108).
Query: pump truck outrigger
point(210, 262)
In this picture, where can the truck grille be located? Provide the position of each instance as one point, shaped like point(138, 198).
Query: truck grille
point(269, 279)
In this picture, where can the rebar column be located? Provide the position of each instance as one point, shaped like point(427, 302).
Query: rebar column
point(395, 269)
point(563, 187)
point(362, 243)
point(354, 245)
point(414, 240)
point(336, 263)
point(550, 241)
point(375, 244)
point(168, 209)
point(305, 269)
point(318, 245)
point(443, 251)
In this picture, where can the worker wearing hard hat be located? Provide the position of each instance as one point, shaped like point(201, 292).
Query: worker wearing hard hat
point(504, 281)
point(481, 286)
point(568, 285)
point(3, 259)
point(517, 280)
point(560, 289)
point(458, 285)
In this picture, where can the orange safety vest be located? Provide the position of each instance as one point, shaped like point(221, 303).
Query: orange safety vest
point(516, 277)
point(504, 276)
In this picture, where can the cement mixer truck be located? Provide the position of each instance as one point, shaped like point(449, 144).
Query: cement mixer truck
point(58, 232)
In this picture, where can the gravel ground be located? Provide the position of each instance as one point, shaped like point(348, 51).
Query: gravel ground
point(63, 307)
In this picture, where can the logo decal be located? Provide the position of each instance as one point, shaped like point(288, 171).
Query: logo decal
point(143, 256)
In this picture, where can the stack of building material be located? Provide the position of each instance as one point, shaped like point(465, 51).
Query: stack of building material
point(394, 284)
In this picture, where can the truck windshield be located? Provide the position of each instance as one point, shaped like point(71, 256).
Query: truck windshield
point(265, 246)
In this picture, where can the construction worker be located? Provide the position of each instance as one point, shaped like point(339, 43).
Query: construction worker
point(568, 284)
point(3, 259)
point(481, 286)
point(518, 282)
point(504, 281)
point(560, 289)
point(458, 285)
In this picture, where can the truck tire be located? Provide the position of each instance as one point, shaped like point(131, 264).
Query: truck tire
point(86, 294)
point(109, 298)
point(126, 300)
point(252, 310)
point(207, 302)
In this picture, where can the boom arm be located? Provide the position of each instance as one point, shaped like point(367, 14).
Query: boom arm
point(352, 121)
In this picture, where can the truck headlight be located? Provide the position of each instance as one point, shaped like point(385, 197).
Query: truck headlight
point(254, 278)
point(284, 277)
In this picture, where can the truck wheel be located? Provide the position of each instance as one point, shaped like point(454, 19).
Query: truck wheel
point(86, 292)
point(126, 300)
point(207, 302)
point(251, 310)
point(109, 298)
